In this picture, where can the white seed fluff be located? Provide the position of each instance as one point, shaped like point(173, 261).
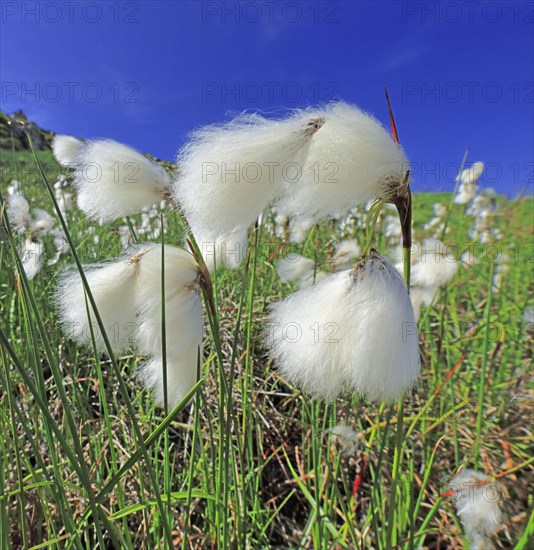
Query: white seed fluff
point(477, 505)
point(433, 264)
point(355, 330)
point(18, 211)
point(183, 321)
point(301, 269)
point(346, 438)
point(346, 251)
point(217, 249)
point(114, 180)
point(42, 222)
point(32, 257)
point(351, 159)
point(471, 174)
point(230, 173)
point(65, 149)
point(113, 288)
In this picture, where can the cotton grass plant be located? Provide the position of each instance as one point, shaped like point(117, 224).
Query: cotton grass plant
point(244, 458)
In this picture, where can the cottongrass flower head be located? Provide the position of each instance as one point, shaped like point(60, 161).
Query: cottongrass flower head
point(128, 295)
point(14, 188)
point(113, 180)
point(352, 159)
point(33, 223)
point(18, 211)
point(473, 173)
point(65, 149)
point(32, 256)
point(433, 264)
point(353, 331)
point(295, 267)
point(345, 438)
point(466, 193)
point(433, 267)
point(346, 251)
point(477, 499)
point(112, 285)
point(468, 186)
point(183, 321)
point(229, 173)
point(299, 228)
point(222, 249)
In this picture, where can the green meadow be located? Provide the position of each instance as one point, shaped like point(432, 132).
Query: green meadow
point(88, 461)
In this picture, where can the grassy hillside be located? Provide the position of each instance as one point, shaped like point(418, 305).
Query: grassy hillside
point(255, 465)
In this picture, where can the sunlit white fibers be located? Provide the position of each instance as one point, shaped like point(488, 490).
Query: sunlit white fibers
point(114, 180)
point(353, 331)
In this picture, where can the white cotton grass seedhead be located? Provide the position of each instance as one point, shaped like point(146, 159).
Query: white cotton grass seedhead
point(298, 268)
point(229, 173)
point(61, 244)
point(14, 188)
point(183, 318)
point(472, 174)
point(113, 180)
point(18, 211)
point(476, 499)
point(183, 321)
point(32, 256)
point(346, 438)
point(113, 287)
point(466, 193)
point(346, 251)
point(299, 227)
point(42, 222)
point(353, 331)
point(422, 296)
point(221, 249)
point(65, 149)
point(36, 221)
point(433, 264)
point(352, 159)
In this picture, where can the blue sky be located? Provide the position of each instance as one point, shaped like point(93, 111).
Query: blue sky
point(146, 73)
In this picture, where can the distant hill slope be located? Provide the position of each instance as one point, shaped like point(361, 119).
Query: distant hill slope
point(13, 137)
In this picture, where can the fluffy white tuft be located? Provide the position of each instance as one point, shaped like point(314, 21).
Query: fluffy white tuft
point(65, 149)
point(466, 193)
point(351, 159)
point(301, 269)
point(61, 244)
point(477, 502)
point(18, 210)
point(471, 174)
point(114, 180)
point(229, 173)
point(346, 251)
point(42, 222)
point(183, 318)
point(433, 264)
point(299, 228)
point(14, 188)
point(422, 296)
point(355, 330)
point(113, 288)
point(346, 438)
point(217, 250)
point(32, 257)
point(183, 321)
